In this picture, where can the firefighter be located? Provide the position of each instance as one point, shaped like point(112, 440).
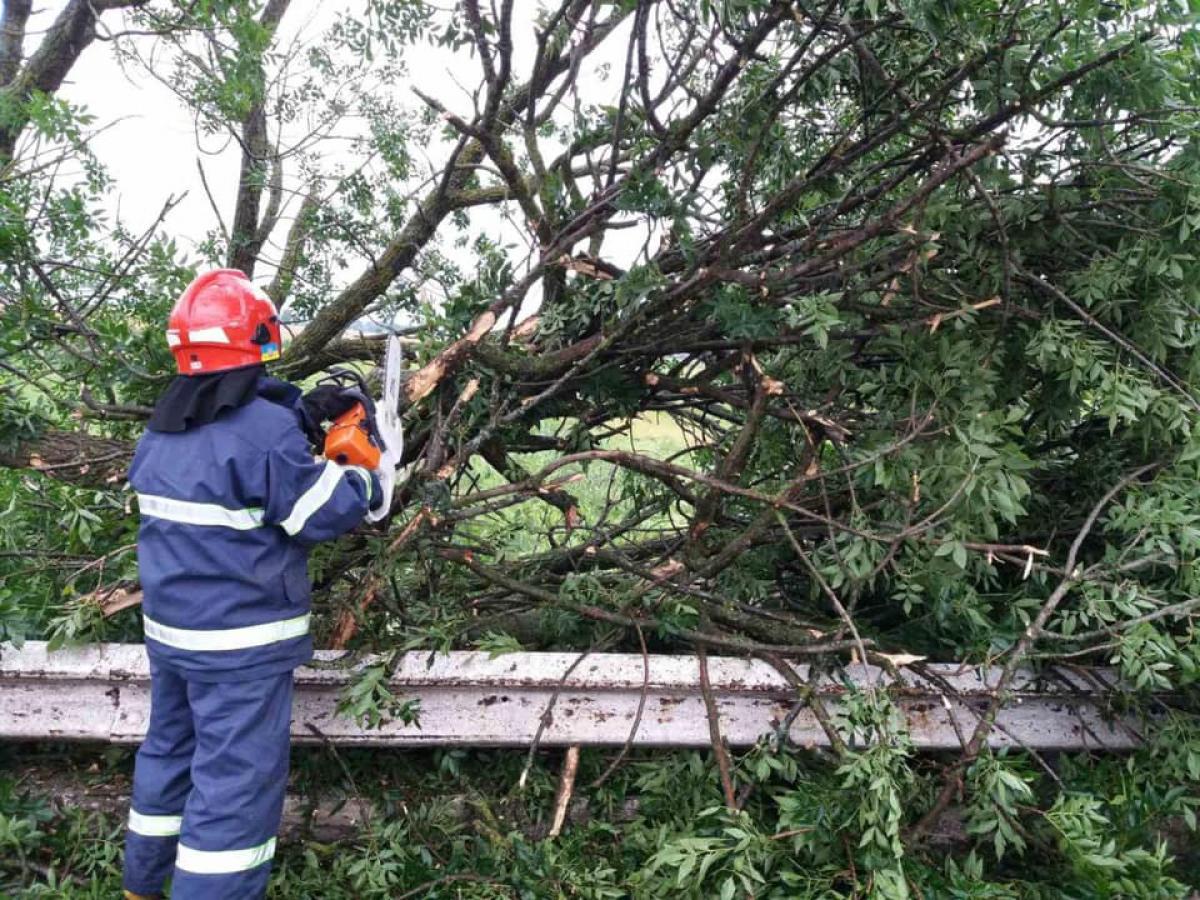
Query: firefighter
point(231, 499)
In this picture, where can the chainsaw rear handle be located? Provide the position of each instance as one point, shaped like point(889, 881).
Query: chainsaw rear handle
point(349, 441)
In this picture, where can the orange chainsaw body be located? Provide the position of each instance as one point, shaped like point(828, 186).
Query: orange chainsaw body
point(348, 441)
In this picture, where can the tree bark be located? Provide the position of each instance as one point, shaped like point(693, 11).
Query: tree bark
point(248, 234)
point(72, 456)
point(46, 69)
point(12, 37)
point(420, 229)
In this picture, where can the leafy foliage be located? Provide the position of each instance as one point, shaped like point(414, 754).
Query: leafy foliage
point(869, 327)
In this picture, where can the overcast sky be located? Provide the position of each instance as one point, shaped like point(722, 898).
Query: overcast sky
point(150, 144)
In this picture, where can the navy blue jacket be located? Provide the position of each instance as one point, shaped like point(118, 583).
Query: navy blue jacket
point(229, 511)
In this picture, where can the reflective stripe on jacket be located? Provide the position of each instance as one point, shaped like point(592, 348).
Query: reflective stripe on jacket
point(229, 511)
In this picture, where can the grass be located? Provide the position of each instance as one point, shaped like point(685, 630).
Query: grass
point(450, 820)
point(531, 526)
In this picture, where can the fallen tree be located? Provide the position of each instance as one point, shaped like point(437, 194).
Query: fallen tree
point(820, 333)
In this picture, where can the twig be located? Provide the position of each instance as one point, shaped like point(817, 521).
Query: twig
point(600, 614)
point(337, 757)
point(1031, 634)
point(1177, 609)
point(828, 591)
point(422, 890)
point(637, 718)
point(807, 694)
point(1121, 341)
point(714, 732)
point(547, 718)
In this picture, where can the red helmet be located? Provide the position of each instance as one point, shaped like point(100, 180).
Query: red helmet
point(222, 321)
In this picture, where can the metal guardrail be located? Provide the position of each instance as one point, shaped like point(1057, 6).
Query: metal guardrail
point(101, 692)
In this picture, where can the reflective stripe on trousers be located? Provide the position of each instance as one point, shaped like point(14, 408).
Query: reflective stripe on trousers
point(216, 757)
point(223, 862)
point(154, 826)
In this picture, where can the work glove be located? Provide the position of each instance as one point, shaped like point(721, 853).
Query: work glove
point(324, 403)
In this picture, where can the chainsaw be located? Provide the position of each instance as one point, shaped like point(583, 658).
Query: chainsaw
point(369, 434)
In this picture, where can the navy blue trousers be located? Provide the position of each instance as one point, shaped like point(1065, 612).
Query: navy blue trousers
point(208, 787)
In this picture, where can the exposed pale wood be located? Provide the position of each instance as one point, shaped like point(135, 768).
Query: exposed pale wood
point(566, 788)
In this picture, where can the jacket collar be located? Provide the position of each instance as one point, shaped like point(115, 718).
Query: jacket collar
point(193, 400)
